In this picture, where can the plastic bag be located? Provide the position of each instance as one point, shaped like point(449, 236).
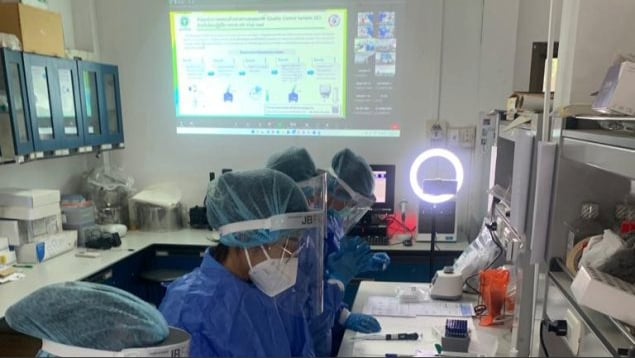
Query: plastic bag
point(494, 294)
point(109, 190)
point(478, 255)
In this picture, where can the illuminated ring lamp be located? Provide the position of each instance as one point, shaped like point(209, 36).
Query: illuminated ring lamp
point(422, 158)
point(435, 199)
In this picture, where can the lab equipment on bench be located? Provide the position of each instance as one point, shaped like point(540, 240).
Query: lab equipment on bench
point(456, 337)
point(389, 337)
point(447, 285)
point(157, 208)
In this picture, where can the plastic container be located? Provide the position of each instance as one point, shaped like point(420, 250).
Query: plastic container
point(584, 226)
point(158, 218)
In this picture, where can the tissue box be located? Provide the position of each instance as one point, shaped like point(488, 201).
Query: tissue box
point(618, 90)
point(49, 247)
point(28, 198)
point(21, 232)
point(40, 31)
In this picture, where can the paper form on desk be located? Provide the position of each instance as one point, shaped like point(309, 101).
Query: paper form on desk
point(390, 306)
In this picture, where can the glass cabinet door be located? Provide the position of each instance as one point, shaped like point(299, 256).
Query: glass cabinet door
point(15, 98)
point(67, 96)
point(66, 105)
point(111, 103)
point(43, 114)
point(17, 102)
point(92, 115)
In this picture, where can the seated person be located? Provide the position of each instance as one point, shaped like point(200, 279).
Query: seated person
point(346, 258)
point(228, 304)
point(84, 319)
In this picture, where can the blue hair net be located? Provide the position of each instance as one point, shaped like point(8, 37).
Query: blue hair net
point(354, 171)
point(251, 195)
point(88, 315)
point(294, 162)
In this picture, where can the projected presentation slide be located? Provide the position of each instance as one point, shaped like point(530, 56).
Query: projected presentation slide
point(333, 68)
point(260, 64)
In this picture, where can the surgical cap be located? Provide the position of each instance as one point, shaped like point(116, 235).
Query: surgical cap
point(89, 315)
point(251, 195)
point(294, 162)
point(354, 171)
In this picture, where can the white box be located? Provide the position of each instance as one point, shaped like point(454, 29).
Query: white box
point(20, 232)
point(28, 198)
point(21, 213)
point(618, 90)
point(50, 247)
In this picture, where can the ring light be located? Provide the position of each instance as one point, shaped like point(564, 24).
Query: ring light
point(422, 158)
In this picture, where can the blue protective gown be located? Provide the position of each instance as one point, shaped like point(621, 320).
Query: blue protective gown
point(229, 317)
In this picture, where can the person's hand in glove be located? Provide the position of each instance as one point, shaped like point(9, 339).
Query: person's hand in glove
point(345, 264)
point(363, 323)
point(378, 262)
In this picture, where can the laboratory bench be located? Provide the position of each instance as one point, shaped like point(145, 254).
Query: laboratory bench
point(180, 251)
point(352, 347)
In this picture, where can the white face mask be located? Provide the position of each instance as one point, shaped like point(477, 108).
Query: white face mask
point(273, 276)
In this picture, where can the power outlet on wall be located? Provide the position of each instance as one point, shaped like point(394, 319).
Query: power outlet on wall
point(463, 137)
point(436, 130)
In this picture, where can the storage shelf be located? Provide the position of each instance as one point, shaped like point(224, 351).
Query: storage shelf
point(606, 150)
point(613, 333)
point(606, 118)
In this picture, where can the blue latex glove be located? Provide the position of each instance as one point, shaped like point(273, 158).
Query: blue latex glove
point(378, 262)
point(363, 323)
point(353, 256)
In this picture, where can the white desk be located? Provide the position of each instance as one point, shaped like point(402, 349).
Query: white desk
point(68, 267)
point(373, 288)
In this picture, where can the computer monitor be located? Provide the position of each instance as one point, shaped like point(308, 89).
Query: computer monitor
point(384, 177)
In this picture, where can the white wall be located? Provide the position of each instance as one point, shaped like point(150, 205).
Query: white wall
point(596, 31)
point(135, 35)
point(533, 22)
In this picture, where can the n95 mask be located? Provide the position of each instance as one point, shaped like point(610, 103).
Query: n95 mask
point(273, 275)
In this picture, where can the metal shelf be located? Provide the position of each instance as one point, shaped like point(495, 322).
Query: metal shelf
point(606, 118)
point(610, 151)
point(612, 333)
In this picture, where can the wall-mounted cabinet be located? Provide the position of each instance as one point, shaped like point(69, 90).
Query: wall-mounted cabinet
point(15, 126)
point(101, 104)
point(55, 106)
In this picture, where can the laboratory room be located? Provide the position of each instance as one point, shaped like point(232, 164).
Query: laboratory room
point(317, 178)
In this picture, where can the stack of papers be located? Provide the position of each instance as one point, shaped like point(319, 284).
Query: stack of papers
point(390, 306)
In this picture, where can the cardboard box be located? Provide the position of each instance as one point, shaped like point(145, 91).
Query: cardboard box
point(28, 198)
point(42, 4)
point(40, 31)
point(617, 95)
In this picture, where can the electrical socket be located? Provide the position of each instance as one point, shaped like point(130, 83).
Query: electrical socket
point(467, 136)
point(435, 130)
point(575, 331)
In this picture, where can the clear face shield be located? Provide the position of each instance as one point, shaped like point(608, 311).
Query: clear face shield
point(345, 204)
point(176, 345)
point(292, 261)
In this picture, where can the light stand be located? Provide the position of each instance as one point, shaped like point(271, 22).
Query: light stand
point(434, 192)
point(443, 211)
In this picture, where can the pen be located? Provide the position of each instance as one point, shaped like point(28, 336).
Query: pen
point(22, 266)
point(390, 337)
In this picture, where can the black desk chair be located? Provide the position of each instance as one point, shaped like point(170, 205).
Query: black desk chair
point(157, 281)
